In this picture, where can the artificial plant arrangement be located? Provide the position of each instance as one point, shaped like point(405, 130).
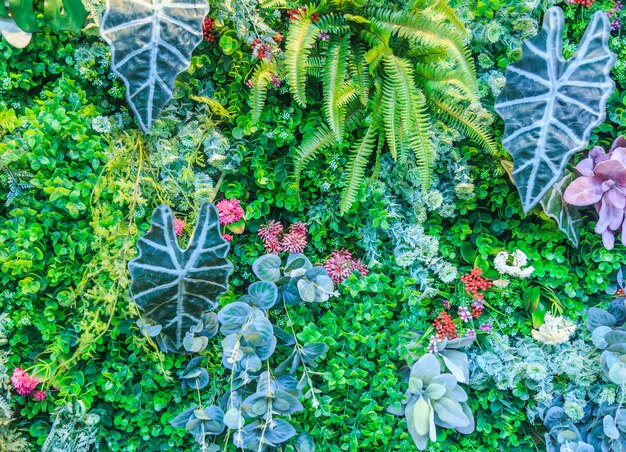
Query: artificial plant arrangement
point(391, 73)
point(603, 427)
point(178, 290)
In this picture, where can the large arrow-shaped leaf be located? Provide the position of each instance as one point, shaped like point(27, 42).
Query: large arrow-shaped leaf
point(567, 217)
point(550, 106)
point(175, 287)
point(151, 43)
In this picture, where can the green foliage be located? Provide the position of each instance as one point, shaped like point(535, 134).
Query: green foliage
point(429, 39)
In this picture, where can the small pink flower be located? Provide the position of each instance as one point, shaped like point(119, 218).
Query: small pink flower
point(488, 327)
point(23, 383)
point(179, 225)
point(250, 83)
point(40, 395)
point(227, 237)
point(276, 82)
point(464, 314)
point(341, 264)
point(230, 211)
point(295, 240)
point(446, 304)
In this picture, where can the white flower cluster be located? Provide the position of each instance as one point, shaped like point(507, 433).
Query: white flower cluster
point(517, 268)
point(555, 330)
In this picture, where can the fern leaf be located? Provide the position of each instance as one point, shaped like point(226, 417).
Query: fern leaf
point(323, 138)
point(437, 80)
point(315, 67)
point(273, 4)
point(423, 32)
point(346, 94)
point(355, 114)
point(360, 72)
point(459, 118)
point(390, 119)
point(412, 106)
point(334, 75)
point(359, 158)
point(442, 7)
point(379, 148)
point(262, 76)
point(300, 39)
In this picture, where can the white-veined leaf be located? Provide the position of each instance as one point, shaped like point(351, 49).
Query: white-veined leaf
point(174, 288)
point(550, 106)
point(151, 43)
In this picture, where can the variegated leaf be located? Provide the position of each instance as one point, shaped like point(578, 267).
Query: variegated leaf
point(175, 287)
point(550, 106)
point(567, 217)
point(151, 43)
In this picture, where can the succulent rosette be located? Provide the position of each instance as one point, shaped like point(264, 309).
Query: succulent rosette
point(602, 182)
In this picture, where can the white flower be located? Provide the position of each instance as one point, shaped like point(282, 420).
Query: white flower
point(555, 330)
point(519, 260)
point(501, 283)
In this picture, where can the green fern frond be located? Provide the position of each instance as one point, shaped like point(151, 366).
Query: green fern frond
point(359, 159)
point(359, 71)
point(423, 32)
point(273, 4)
point(437, 80)
point(334, 24)
point(442, 7)
point(322, 139)
point(334, 76)
point(389, 110)
point(355, 114)
point(315, 67)
point(412, 106)
point(459, 118)
point(300, 39)
point(262, 76)
point(346, 94)
point(379, 148)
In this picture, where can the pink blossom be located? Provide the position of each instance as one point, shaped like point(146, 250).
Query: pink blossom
point(464, 314)
point(179, 225)
point(227, 237)
point(40, 395)
point(271, 234)
point(341, 264)
point(23, 383)
point(295, 240)
point(230, 211)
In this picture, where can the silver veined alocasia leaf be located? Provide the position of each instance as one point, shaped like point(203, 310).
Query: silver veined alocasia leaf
point(151, 43)
point(175, 287)
point(567, 217)
point(550, 106)
point(13, 34)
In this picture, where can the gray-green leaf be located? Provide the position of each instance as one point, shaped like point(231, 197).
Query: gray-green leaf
point(567, 216)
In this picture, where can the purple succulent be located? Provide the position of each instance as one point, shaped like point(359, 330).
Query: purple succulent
point(603, 183)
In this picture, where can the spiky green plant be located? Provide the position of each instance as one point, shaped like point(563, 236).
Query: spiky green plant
point(390, 73)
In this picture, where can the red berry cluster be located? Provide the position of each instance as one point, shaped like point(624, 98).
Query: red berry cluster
point(585, 3)
point(477, 308)
point(295, 14)
point(444, 326)
point(278, 38)
point(619, 292)
point(474, 283)
point(260, 50)
point(315, 17)
point(208, 26)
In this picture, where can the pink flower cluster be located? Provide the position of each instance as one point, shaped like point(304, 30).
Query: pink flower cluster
point(23, 383)
point(613, 16)
point(275, 241)
point(230, 211)
point(341, 264)
point(179, 225)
